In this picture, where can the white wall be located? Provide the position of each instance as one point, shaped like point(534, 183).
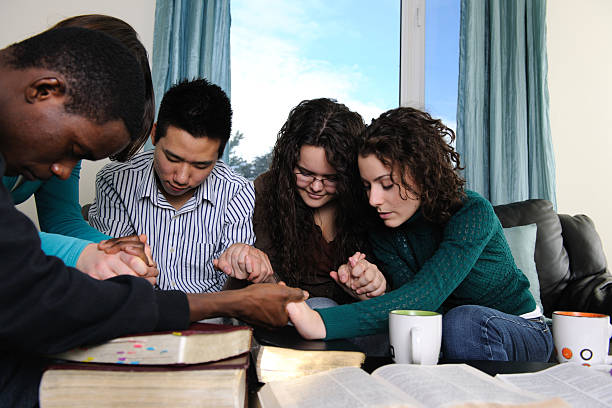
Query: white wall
point(580, 86)
point(20, 19)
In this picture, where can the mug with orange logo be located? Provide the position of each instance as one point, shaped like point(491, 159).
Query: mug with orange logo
point(582, 337)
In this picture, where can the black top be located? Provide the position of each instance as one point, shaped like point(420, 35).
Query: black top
point(47, 307)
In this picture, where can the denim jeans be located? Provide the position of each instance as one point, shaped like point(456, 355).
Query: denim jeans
point(480, 333)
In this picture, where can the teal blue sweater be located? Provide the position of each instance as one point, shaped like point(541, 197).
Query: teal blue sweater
point(437, 267)
point(65, 232)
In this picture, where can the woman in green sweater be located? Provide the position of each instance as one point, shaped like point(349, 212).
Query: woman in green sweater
point(441, 247)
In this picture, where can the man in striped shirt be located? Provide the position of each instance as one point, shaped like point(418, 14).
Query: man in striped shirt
point(191, 206)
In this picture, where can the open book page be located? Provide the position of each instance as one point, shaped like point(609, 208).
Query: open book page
point(578, 385)
point(458, 385)
point(341, 387)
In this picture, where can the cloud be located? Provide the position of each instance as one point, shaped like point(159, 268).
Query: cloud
point(270, 74)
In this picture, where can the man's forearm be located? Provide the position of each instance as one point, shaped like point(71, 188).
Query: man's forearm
point(216, 304)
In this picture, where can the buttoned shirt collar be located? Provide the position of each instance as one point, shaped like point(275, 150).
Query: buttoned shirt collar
point(147, 188)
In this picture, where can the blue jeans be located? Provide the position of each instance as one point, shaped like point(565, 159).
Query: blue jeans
point(480, 333)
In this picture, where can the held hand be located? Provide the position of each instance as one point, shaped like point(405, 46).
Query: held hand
point(243, 261)
point(360, 278)
point(265, 304)
point(307, 322)
point(100, 265)
point(133, 244)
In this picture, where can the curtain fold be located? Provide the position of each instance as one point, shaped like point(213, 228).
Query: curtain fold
point(503, 127)
point(191, 39)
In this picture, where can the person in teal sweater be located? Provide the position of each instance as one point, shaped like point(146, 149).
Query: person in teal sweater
point(442, 249)
point(65, 233)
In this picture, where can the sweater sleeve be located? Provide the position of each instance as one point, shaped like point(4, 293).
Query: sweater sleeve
point(47, 307)
point(59, 211)
point(68, 249)
point(464, 238)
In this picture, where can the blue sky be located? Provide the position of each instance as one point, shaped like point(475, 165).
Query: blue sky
point(442, 58)
point(286, 51)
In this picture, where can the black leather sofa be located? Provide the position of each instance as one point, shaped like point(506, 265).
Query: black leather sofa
point(569, 257)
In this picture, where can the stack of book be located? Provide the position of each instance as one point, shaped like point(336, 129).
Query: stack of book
point(204, 366)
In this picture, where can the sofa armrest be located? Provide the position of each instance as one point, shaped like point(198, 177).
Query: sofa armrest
point(583, 246)
point(591, 293)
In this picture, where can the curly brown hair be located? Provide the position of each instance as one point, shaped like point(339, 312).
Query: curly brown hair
point(413, 142)
point(328, 124)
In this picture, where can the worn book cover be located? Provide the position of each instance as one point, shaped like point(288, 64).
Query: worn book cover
point(202, 342)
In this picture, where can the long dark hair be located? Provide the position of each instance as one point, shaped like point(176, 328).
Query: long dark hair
point(322, 123)
point(413, 142)
point(124, 33)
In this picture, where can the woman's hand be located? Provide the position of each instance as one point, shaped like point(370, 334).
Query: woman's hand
point(307, 322)
point(101, 265)
point(360, 278)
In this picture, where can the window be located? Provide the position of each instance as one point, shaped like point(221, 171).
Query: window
point(283, 52)
point(430, 57)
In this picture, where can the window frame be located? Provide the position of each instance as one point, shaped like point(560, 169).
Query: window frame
point(412, 54)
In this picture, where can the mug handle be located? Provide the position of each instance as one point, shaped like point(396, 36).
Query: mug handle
point(415, 340)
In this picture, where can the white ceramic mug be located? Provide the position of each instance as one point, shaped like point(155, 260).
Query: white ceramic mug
point(582, 337)
point(415, 336)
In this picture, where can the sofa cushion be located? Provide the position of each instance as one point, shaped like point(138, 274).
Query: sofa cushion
point(522, 241)
point(551, 258)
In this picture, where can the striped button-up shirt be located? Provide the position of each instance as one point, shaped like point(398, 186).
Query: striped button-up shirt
point(184, 242)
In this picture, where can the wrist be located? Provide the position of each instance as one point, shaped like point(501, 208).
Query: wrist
point(81, 263)
point(218, 304)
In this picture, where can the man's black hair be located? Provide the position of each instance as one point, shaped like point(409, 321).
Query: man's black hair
point(198, 107)
point(104, 80)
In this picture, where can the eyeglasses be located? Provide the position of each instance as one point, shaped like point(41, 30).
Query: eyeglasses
point(306, 178)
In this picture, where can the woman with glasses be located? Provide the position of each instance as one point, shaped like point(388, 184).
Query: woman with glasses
point(310, 210)
point(442, 247)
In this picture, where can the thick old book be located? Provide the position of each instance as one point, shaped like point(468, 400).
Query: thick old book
point(283, 354)
point(201, 343)
point(401, 385)
point(93, 385)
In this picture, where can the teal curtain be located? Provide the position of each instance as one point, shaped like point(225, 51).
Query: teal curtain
point(191, 39)
point(503, 126)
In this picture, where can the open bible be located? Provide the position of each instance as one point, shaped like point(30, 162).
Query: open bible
point(401, 385)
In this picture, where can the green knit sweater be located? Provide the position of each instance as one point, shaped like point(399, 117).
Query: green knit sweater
point(437, 267)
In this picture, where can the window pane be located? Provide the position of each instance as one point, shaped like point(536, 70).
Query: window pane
point(442, 59)
point(284, 52)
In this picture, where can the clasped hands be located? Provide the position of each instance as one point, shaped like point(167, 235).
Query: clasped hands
point(242, 261)
point(129, 255)
point(360, 278)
